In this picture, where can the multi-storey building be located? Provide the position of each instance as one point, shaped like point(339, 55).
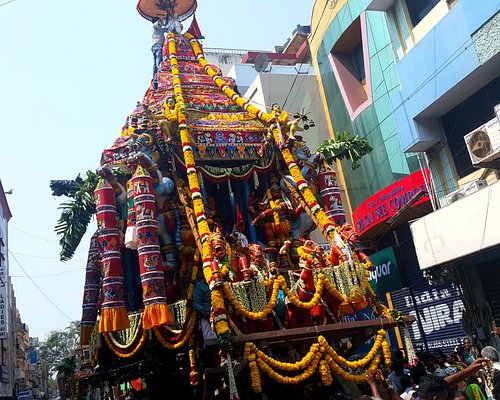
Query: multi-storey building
point(7, 308)
point(414, 78)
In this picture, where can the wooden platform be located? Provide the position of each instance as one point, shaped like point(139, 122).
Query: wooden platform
point(358, 330)
point(356, 333)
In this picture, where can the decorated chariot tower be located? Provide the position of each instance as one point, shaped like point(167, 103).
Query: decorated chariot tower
point(201, 272)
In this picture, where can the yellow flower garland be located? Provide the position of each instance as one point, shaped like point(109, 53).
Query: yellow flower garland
point(120, 352)
point(272, 204)
point(323, 220)
point(296, 301)
point(221, 325)
point(250, 314)
point(180, 343)
point(320, 354)
point(325, 224)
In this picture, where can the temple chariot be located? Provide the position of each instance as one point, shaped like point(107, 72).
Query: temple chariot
point(202, 277)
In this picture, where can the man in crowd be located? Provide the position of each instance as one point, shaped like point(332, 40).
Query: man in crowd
point(434, 387)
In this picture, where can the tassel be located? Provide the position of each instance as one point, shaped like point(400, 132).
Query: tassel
point(114, 315)
point(156, 312)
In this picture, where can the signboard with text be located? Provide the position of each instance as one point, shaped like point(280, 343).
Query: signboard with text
point(4, 305)
point(439, 318)
point(386, 276)
point(388, 201)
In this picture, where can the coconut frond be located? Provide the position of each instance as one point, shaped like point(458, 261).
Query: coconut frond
point(66, 187)
point(77, 213)
point(345, 146)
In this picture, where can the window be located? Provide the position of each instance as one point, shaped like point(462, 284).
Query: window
point(359, 62)
point(351, 66)
point(418, 9)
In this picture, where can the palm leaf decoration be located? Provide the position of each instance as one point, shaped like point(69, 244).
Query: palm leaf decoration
point(345, 146)
point(76, 213)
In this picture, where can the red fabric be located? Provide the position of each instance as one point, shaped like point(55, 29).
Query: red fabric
point(136, 384)
point(194, 29)
point(240, 221)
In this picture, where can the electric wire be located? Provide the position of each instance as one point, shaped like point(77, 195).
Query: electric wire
point(32, 235)
point(40, 289)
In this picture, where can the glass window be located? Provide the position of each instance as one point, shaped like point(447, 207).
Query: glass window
point(359, 62)
point(418, 9)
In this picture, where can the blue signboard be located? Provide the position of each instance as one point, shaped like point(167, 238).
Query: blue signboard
point(439, 318)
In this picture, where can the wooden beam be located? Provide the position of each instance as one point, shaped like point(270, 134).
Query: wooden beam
point(189, 214)
point(332, 331)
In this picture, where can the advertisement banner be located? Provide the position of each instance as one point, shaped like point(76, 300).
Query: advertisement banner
point(388, 201)
point(439, 316)
point(4, 304)
point(386, 276)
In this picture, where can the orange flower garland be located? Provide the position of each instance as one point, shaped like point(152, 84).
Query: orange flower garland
point(220, 83)
point(250, 314)
point(326, 224)
point(221, 325)
point(125, 353)
point(185, 338)
point(321, 356)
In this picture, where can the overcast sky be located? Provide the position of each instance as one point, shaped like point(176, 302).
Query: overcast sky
point(70, 73)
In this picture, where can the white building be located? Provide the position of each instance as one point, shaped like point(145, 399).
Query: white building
point(7, 308)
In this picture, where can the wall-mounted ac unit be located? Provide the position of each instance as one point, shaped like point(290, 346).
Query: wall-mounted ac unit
point(465, 191)
point(483, 142)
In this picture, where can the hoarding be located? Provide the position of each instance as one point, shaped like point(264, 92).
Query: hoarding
point(439, 319)
point(4, 304)
point(388, 201)
point(385, 278)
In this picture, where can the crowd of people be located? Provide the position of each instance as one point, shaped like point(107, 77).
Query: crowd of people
point(464, 374)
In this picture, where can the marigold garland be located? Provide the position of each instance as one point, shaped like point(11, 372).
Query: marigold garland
point(194, 375)
point(323, 220)
point(277, 283)
point(320, 354)
point(221, 326)
point(250, 314)
point(331, 359)
point(181, 342)
point(125, 353)
point(273, 206)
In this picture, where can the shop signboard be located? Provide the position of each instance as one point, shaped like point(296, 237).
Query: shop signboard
point(385, 278)
point(388, 201)
point(4, 309)
point(439, 319)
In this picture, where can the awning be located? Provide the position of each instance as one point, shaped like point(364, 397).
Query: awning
point(467, 226)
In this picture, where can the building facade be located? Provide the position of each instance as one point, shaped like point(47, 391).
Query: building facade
point(7, 308)
point(445, 110)
point(414, 78)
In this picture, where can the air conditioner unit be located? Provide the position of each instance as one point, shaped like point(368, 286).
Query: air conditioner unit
point(483, 142)
point(466, 190)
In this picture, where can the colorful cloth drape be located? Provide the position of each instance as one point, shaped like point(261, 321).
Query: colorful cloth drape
point(156, 312)
point(114, 315)
point(90, 291)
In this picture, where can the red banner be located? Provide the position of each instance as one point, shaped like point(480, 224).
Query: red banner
point(388, 201)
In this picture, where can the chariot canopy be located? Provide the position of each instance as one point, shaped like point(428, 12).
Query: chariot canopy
point(151, 9)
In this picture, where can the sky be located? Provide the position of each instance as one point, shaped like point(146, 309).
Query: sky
point(70, 73)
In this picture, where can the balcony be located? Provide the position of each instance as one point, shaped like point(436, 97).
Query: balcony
point(464, 228)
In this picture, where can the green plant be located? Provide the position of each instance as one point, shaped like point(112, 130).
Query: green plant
point(76, 213)
point(345, 146)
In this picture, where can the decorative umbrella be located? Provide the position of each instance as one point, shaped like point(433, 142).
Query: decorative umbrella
point(151, 9)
